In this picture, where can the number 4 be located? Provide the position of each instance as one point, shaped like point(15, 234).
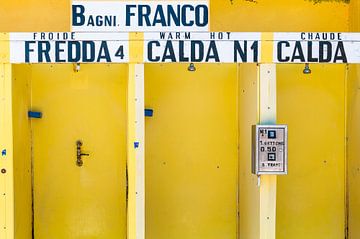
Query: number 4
point(120, 52)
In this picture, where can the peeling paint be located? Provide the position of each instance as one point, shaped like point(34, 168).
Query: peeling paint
point(251, 1)
point(323, 1)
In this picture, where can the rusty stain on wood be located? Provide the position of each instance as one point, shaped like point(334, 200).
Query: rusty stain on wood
point(251, 1)
point(323, 1)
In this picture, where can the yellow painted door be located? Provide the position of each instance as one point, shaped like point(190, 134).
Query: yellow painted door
point(191, 152)
point(84, 202)
point(311, 198)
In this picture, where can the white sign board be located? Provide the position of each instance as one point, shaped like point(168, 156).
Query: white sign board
point(139, 16)
point(167, 47)
point(62, 47)
point(316, 47)
point(226, 47)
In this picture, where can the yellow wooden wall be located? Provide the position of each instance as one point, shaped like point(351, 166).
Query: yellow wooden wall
point(248, 189)
point(88, 105)
point(353, 133)
point(249, 15)
point(191, 151)
point(26, 95)
point(242, 15)
point(21, 80)
point(293, 221)
point(354, 16)
point(34, 15)
point(311, 198)
point(353, 151)
point(278, 15)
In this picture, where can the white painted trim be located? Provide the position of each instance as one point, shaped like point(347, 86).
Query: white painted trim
point(267, 114)
point(268, 184)
point(140, 151)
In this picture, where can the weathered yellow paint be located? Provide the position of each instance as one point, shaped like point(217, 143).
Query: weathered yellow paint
point(278, 16)
point(267, 47)
point(354, 16)
point(353, 134)
point(71, 201)
point(267, 115)
point(268, 192)
point(35, 15)
point(136, 46)
point(263, 16)
point(311, 198)
point(136, 56)
point(131, 154)
point(21, 78)
point(6, 162)
point(4, 47)
point(191, 151)
point(353, 138)
point(249, 199)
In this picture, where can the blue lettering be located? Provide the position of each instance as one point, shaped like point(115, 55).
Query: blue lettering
point(144, 13)
point(129, 14)
point(71, 57)
point(213, 52)
point(91, 21)
point(78, 18)
point(194, 45)
point(205, 12)
point(280, 46)
point(238, 50)
point(104, 52)
point(182, 57)
point(88, 49)
point(172, 15)
point(28, 50)
point(169, 53)
point(159, 16)
point(150, 51)
point(184, 15)
point(99, 20)
point(58, 50)
point(43, 51)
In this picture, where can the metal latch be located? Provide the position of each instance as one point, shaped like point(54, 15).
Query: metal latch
point(79, 154)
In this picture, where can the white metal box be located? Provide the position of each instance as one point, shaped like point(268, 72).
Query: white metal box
point(269, 149)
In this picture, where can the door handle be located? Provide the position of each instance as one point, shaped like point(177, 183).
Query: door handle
point(79, 153)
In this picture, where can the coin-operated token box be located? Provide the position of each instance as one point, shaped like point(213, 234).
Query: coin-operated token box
point(269, 150)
